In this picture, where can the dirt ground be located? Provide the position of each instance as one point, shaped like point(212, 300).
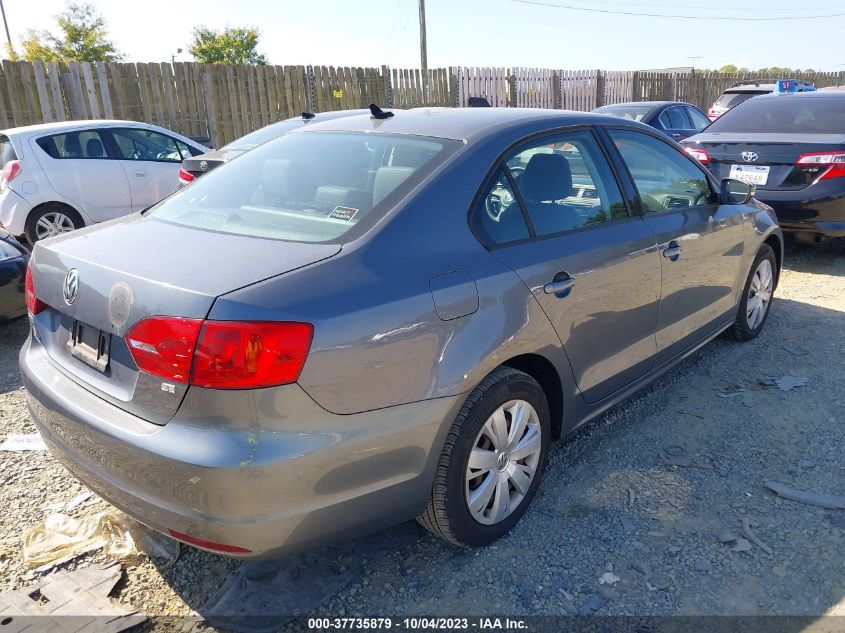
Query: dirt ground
point(640, 513)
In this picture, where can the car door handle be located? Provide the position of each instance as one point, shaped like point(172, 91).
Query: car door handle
point(677, 137)
point(140, 173)
point(672, 251)
point(559, 286)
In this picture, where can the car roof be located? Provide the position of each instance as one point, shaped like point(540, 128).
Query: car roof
point(61, 126)
point(815, 94)
point(462, 124)
point(646, 103)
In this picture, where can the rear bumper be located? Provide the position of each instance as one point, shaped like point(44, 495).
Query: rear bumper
point(14, 210)
point(268, 470)
point(819, 208)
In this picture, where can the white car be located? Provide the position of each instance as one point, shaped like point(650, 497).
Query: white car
point(57, 177)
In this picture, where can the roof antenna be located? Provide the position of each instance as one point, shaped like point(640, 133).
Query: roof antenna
point(478, 102)
point(378, 113)
point(308, 115)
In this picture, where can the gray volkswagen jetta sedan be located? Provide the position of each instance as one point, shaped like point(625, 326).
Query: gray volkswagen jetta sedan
point(374, 319)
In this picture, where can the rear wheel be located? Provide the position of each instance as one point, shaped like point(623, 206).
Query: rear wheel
point(492, 461)
point(757, 296)
point(51, 219)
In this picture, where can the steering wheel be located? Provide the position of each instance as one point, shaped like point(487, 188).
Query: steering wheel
point(498, 201)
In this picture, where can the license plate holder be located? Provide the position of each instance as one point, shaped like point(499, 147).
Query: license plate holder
point(752, 174)
point(90, 345)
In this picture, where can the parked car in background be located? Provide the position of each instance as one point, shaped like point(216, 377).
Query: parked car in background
point(13, 260)
point(676, 119)
point(57, 177)
point(368, 320)
point(744, 90)
point(196, 166)
point(791, 147)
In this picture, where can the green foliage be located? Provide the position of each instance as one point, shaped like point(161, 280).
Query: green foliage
point(84, 38)
point(11, 53)
point(232, 45)
point(772, 71)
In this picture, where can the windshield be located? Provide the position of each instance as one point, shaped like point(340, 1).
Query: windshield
point(787, 114)
point(635, 112)
point(732, 99)
point(309, 186)
point(264, 134)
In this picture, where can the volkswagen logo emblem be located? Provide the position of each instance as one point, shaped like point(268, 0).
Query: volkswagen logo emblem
point(750, 157)
point(71, 286)
point(203, 165)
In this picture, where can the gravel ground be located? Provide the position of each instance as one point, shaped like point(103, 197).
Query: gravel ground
point(648, 493)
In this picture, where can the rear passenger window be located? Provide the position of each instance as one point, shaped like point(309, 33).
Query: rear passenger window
point(498, 218)
point(665, 177)
point(82, 144)
point(566, 183)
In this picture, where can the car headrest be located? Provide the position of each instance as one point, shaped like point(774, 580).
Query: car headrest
point(387, 179)
point(72, 146)
point(287, 179)
point(546, 177)
point(94, 148)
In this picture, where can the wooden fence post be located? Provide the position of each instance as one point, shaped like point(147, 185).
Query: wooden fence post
point(309, 89)
point(600, 87)
point(388, 86)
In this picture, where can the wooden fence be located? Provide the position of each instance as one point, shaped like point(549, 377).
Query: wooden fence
point(223, 102)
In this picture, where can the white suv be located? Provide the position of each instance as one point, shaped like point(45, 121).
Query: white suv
point(57, 177)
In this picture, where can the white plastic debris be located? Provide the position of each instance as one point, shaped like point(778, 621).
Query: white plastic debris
point(609, 578)
point(31, 442)
point(61, 538)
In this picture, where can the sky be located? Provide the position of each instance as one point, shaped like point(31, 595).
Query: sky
point(481, 32)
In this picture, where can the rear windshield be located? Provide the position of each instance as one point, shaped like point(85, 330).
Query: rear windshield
point(308, 187)
point(7, 152)
point(263, 135)
point(732, 99)
point(633, 112)
point(789, 114)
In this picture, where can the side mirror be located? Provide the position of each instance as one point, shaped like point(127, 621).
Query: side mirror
point(736, 191)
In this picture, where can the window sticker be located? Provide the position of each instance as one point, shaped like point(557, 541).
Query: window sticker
point(343, 213)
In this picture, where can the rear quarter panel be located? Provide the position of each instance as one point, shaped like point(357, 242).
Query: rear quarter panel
point(378, 340)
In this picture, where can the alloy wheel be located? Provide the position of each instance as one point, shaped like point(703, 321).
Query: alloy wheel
point(53, 223)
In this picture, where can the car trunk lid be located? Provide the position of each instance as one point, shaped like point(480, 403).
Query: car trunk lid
point(200, 165)
point(778, 152)
point(135, 268)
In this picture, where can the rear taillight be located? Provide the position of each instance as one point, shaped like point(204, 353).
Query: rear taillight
point(185, 177)
point(220, 354)
point(33, 304)
point(241, 355)
point(10, 171)
point(164, 346)
point(828, 164)
point(698, 154)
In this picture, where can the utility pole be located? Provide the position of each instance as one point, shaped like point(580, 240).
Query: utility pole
point(423, 52)
point(6, 25)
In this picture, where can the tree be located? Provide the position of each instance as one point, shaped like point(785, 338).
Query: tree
point(84, 38)
point(232, 45)
point(728, 68)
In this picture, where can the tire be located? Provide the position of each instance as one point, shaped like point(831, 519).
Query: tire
point(448, 514)
point(61, 217)
point(745, 327)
